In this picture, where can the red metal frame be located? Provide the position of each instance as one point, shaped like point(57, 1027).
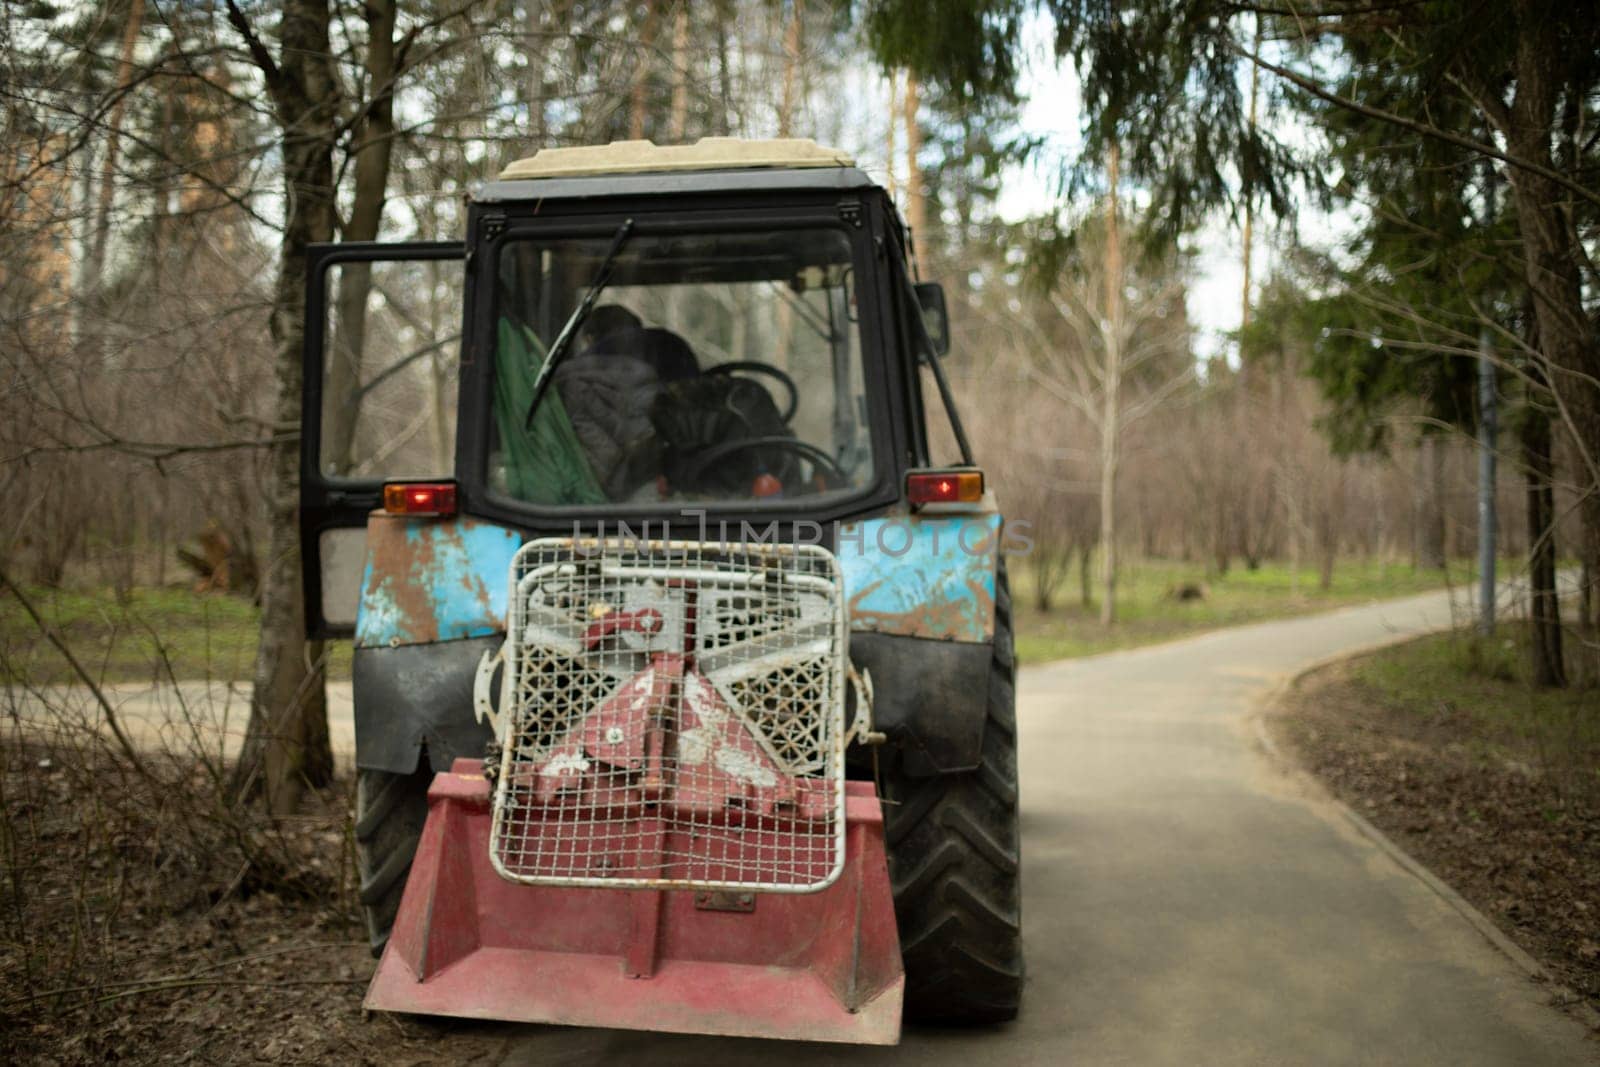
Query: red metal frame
point(818, 966)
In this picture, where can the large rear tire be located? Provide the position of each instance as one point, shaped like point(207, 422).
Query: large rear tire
point(955, 866)
point(390, 811)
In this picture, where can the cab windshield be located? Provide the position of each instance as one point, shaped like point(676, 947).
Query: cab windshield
point(714, 368)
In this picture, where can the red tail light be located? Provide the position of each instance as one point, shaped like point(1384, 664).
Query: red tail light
point(420, 498)
point(945, 487)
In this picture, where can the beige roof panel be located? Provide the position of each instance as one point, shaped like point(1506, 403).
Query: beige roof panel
point(708, 153)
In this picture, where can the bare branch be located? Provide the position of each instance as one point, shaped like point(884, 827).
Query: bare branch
point(82, 672)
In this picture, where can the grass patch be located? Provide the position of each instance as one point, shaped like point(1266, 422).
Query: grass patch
point(1478, 687)
point(204, 635)
point(1148, 612)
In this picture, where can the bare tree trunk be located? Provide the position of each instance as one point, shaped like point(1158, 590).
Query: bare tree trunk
point(161, 222)
point(641, 76)
point(892, 114)
point(1110, 421)
point(1328, 535)
point(1249, 209)
point(916, 200)
point(1587, 580)
point(1295, 527)
point(162, 530)
point(440, 366)
point(1380, 527)
point(286, 741)
point(1428, 490)
point(1108, 525)
point(1048, 567)
point(95, 267)
point(1223, 506)
point(791, 69)
point(535, 53)
point(373, 150)
point(679, 126)
point(1551, 254)
point(1544, 607)
point(725, 15)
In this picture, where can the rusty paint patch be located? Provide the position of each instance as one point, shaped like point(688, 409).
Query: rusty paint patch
point(428, 580)
point(922, 576)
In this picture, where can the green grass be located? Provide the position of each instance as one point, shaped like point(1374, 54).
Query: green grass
point(203, 635)
point(1485, 679)
point(1148, 613)
point(214, 635)
point(1478, 687)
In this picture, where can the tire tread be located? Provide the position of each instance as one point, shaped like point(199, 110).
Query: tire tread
point(955, 867)
point(390, 811)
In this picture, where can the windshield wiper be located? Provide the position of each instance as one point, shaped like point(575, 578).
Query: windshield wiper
point(564, 339)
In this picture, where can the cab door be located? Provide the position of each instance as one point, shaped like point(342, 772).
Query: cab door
point(383, 342)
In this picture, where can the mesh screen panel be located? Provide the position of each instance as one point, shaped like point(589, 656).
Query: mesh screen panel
point(673, 717)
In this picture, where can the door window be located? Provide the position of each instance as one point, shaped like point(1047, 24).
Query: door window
point(391, 364)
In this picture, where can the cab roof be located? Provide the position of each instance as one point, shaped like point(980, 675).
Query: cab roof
point(647, 157)
point(642, 168)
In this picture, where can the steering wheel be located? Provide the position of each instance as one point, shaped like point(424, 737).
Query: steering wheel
point(824, 463)
point(752, 367)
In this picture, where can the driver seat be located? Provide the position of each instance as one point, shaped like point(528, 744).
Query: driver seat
point(695, 414)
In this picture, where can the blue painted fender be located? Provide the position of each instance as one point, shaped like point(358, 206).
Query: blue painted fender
point(431, 580)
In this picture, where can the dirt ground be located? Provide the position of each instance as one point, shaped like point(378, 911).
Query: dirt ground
point(1492, 811)
point(130, 934)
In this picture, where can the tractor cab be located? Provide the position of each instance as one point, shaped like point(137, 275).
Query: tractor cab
point(627, 504)
point(732, 330)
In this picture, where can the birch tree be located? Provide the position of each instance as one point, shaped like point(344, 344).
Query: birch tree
point(1119, 357)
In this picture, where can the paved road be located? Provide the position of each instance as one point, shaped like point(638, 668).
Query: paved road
point(1188, 900)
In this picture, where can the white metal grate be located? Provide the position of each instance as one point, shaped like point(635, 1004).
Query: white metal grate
point(673, 717)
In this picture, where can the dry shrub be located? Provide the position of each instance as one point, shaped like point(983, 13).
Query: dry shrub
point(129, 873)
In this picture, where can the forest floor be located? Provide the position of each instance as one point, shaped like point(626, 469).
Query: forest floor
point(131, 931)
point(1490, 783)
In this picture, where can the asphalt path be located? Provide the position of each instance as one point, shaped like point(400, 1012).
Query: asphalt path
point(1188, 898)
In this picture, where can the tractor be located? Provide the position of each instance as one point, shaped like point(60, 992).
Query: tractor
point(683, 673)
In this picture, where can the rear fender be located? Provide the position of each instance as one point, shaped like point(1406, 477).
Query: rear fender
point(430, 580)
point(921, 595)
point(415, 697)
point(433, 601)
point(929, 576)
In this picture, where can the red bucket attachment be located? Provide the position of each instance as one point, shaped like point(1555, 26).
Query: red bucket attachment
point(821, 966)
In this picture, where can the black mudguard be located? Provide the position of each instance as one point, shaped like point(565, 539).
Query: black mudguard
point(417, 696)
point(929, 697)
